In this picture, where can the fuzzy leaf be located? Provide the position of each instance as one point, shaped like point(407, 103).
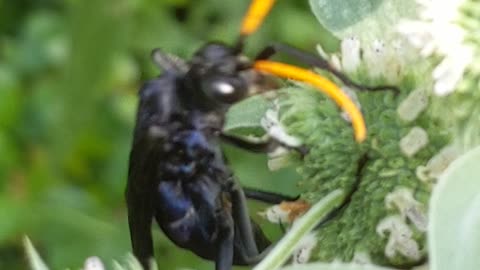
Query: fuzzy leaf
point(454, 217)
point(244, 118)
point(366, 19)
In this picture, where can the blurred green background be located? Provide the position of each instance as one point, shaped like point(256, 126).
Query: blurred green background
point(69, 74)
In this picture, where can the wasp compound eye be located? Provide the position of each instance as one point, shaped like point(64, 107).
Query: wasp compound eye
point(225, 90)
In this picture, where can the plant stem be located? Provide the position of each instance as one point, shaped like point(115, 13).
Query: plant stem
point(282, 251)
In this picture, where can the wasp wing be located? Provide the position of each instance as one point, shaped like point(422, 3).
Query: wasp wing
point(157, 103)
point(169, 62)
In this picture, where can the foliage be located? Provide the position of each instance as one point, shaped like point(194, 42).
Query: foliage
point(454, 219)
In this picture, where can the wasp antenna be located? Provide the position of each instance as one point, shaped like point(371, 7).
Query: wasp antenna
point(168, 62)
point(317, 61)
point(256, 13)
point(323, 85)
point(239, 45)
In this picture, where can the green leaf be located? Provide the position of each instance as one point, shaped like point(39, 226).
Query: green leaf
point(366, 19)
point(335, 266)
point(10, 98)
point(244, 118)
point(454, 240)
point(36, 263)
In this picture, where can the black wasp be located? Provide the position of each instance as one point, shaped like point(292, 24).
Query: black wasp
point(178, 174)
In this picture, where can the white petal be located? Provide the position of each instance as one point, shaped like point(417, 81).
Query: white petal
point(350, 49)
point(335, 62)
point(93, 263)
point(450, 71)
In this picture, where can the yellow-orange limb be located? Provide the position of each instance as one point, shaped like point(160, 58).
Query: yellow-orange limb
point(322, 84)
point(255, 15)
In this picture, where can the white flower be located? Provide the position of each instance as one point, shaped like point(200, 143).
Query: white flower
point(450, 71)
point(350, 48)
point(279, 158)
point(374, 55)
point(93, 263)
point(272, 124)
point(413, 105)
point(276, 214)
point(415, 140)
point(438, 163)
point(304, 248)
point(400, 238)
point(380, 58)
point(402, 199)
point(437, 33)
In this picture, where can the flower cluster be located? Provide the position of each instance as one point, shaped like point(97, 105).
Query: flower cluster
point(438, 32)
point(384, 220)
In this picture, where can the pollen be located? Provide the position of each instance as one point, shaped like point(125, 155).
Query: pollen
point(286, 212)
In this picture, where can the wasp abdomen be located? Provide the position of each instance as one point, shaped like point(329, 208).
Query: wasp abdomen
point(186, 214)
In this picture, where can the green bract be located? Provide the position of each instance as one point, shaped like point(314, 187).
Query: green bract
point(36, 262)
point(369, 19)
point(454, 217)
point(244, 118)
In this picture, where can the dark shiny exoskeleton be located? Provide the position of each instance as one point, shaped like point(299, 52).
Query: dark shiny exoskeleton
point(178, 174)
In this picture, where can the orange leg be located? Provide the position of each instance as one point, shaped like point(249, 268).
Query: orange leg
point(256, 14)
point(322, 84)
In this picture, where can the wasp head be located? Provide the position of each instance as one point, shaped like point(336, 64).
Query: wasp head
point(218, 72)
